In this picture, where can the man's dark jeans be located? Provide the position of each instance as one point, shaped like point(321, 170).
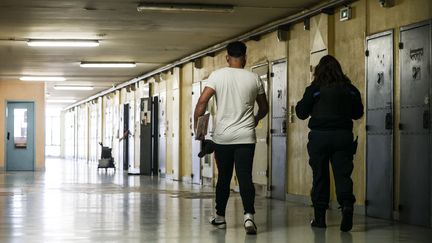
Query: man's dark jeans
point(240, 155)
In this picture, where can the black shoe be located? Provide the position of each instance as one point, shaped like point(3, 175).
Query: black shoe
point(347, 218)
point(320, 218)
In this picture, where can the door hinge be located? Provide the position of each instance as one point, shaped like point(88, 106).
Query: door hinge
point(367, 53)
point(272, 74)
point(366, 202)
point(401, 45)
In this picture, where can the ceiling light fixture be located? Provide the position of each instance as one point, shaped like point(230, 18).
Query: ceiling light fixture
point(72, 87)
point(61, 101)
point(178, 7)
point(40, 78)
point(108, 64)
point(62, 43)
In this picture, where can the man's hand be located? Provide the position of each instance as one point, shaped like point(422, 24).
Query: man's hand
point(202, 104)
point(256, 121)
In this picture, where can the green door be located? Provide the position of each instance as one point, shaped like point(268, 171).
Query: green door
point(20, 149)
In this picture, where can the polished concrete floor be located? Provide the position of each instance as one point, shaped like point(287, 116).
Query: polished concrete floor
point(73, 202)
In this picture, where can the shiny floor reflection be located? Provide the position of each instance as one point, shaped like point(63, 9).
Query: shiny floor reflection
point(73, 202)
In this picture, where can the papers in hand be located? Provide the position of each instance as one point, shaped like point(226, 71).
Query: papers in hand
point(202, 125)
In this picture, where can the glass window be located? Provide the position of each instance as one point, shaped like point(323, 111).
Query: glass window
point(20, 128)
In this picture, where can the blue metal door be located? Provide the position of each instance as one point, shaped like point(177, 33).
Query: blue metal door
point(20, 149)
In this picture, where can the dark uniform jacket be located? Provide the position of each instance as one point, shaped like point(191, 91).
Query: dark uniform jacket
point(331, 107)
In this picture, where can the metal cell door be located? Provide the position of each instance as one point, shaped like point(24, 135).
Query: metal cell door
point(155, 135)
point(146, 136)
point(415, 184)
point(125, 148)
point(379, 132)
point(278, 129)
point(196, 161)
point(176, 134)
point(162, 134)
point(20, 139)
point(261, 162)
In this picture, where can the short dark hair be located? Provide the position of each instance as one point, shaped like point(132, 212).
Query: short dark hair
point(236, 49)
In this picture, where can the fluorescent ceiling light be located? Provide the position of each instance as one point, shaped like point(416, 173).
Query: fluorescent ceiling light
point(40, 78)
point(72, 87)
point(63, 43)
point(108, 64)
point(178, 7)
point(61, 101)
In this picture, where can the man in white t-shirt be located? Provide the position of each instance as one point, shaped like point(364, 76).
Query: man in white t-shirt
point(236, 92)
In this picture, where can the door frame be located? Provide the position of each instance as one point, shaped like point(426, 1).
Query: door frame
point(268, 142)
point(390, 32)
point(34, 131)
point(195, 158)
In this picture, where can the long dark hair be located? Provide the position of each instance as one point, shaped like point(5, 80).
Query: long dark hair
point(329, 72)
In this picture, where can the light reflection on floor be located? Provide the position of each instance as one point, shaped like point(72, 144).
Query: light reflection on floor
point(73, 202)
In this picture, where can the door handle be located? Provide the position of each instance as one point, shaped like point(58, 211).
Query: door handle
point(426, 120)
point(8, 136)
point(389, 121)
point(284, 127)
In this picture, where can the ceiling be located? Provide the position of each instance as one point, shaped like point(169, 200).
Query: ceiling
point(151, 39)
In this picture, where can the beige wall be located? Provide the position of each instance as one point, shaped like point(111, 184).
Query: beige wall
point(20, 91)
point(186, 79)
point(169, 80)
point(299, 177)
point(345, 40)
point(349, 50)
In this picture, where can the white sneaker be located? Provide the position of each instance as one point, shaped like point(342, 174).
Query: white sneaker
point(249, 224)
point(218, 221)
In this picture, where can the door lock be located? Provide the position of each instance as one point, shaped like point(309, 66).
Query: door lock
point(284, 127)
point(426, 119)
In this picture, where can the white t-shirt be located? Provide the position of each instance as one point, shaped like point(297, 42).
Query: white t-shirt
point(236, 92)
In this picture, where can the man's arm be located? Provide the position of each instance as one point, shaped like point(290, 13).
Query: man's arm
point(262, 108)
point(202, 104)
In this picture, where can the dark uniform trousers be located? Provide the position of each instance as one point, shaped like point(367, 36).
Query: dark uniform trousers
point(336, 147)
